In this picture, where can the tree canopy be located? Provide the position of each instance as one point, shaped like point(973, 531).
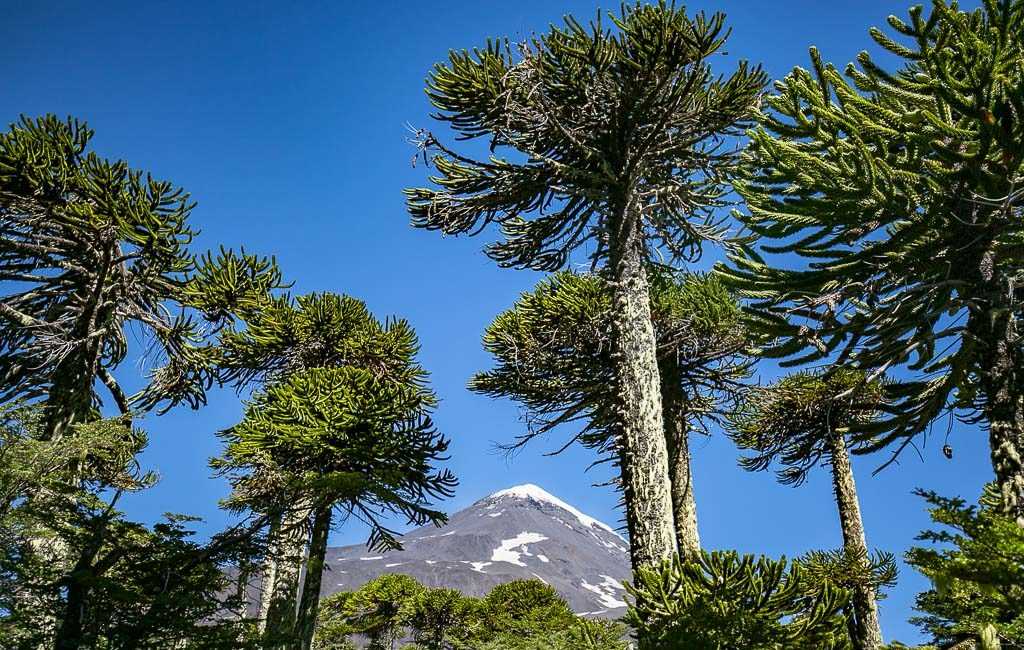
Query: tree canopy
point(898, 191)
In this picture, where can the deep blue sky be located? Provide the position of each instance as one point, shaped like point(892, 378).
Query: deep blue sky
point(286, 123)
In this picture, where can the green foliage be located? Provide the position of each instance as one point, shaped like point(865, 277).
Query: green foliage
point(443, 617)
point(75, 224)
point(792, 422)
point(976, 566)
point(581, 121)
point(521, 614)
point(525, 607)
point(582, 634)
point(382, 609)
point(344, 418)
point(899, 192)
point(553, 350)
point(849, 569)
point(722, 601)
point(66, 546)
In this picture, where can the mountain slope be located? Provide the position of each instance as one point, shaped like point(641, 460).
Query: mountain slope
point(521, 532)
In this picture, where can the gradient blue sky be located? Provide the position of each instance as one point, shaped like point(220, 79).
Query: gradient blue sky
point(286, 122)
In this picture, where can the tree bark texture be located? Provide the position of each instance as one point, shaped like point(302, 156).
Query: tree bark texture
point(677, 430)
point(1004, 410)
point(310, 601)
point(293, 535)
point(865, 600)
point(645, 473)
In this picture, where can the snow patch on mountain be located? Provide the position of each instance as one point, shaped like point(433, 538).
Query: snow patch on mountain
point(506, 551)
point(537, 493)
point(607, 591)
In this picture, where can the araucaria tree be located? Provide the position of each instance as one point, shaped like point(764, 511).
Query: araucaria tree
point(90, 248)
point(803, 421)
point(553, 354)
point(87, 246)
point(902, 191)
point(608, 142)
point(343, 423)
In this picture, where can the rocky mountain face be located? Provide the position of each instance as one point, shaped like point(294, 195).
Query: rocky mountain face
point(521, 532)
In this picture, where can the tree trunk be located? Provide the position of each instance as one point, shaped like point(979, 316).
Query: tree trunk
point(279, 631)
point(684, 506)
point(645, 474)
point(310, 603)
point(865, 600)
point(1004, 410)
point(269, 573)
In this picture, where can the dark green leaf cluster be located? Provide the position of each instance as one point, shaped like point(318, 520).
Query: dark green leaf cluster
point(976, 564)
point(344, 414)
point(793, 421)
point(724, 601)
point(900, 193)
point(587, 114)
point(521, 614)
point(88, 249)
point(65, 545)
point(553, 351)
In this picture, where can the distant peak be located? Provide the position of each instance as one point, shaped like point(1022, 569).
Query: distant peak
point(537, 493)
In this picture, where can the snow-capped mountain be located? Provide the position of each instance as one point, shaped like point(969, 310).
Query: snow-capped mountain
point(521, 532)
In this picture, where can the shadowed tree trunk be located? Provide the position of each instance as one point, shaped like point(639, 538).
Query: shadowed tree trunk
point(310, 602)
point(1003, 407)
point(279, 632)
point(645, 467)
point(865, 600)
point(269, 573)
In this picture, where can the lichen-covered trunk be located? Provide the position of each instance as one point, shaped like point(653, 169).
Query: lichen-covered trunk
point(1004, 410)
point(310, 602)
point(865, 600)
point(269, 573)
point(293, 535)
point(994, 331)
point(677, 430)
point(645, 474)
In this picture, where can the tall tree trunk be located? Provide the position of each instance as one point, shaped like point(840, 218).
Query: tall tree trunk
point(865, 600)
point(645, 475)
point(269, 574)
point(314, 575)
point(677, 430)
point(1004, 410)
point(279, 632)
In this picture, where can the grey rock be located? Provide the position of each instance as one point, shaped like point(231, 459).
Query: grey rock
point(522, 532)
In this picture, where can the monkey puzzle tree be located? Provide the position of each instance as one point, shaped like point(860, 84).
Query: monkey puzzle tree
point(553, 354)
point(801, 422)
point(354, 433)
point(89, 249)
point(724, 601)
point(901, 190)
point(607, 141)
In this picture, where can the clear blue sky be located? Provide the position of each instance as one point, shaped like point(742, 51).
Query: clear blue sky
point(286, 123)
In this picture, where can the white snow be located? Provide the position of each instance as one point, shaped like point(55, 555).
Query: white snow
point(479, 566)
point(531, 491)
point(431, 561)
point(542, 558)
point(375, 557)
point(393, 564)
point(606, 592)
point(506, 551)
point(612, 583)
